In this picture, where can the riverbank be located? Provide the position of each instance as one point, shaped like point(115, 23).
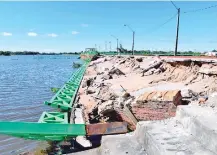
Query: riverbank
point(108, 79)
point(142, 84)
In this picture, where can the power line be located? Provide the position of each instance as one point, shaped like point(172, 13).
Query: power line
point(197, 10)
point(174, 5)
point(167, 21)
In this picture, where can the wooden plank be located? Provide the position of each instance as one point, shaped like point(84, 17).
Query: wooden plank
point(106, 128)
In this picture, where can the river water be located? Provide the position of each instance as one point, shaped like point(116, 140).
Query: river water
point(25, 83)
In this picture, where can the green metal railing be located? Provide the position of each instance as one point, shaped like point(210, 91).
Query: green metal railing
point(54, 117)
point(52, 126)
point(64, 98)
point(42, 131)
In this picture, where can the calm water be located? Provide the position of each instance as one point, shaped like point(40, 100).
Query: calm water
point(25, 83)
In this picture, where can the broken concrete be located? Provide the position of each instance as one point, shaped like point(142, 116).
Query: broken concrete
point(172, 136)
point(168, 136)
point(115, 71)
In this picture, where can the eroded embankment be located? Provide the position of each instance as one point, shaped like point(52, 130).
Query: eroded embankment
point(110, 83)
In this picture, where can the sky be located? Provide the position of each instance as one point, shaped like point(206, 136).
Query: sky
point(74, 26)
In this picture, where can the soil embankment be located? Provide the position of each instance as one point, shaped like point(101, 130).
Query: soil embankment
point(112, 82)
point(151, 88)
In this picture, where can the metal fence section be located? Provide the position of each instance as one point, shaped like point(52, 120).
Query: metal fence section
point(42, 131)
point(54, 117)
point(52, 126)
point(65, 97)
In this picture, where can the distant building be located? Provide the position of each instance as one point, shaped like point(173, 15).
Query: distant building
point(211, 54)
point(90, 49)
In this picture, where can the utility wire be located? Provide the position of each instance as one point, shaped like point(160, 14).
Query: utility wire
point(167, 21)
point(174, 5)
point(197, 10)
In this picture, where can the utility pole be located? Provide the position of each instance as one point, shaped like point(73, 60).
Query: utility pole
point(177, 29)
point(133, 43)
point(133, 37)
point(105, 45)
point(117, 47)
point(117, 43)
point(177, 33)
point(110, 46)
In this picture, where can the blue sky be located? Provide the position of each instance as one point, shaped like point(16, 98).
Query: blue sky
point(73, 26)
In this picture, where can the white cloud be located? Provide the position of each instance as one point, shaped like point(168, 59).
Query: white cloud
point(6, 34)
point(84, 25)
point(32, 34)
point(52, 35)
point(75, 32)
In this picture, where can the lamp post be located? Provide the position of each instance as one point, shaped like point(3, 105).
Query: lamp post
point(117, 43)
point(133, 37)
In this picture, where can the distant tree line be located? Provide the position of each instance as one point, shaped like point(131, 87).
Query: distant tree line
point(8, 53)
point(160, 52)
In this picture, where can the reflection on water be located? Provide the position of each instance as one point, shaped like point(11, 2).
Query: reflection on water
point(25, 83)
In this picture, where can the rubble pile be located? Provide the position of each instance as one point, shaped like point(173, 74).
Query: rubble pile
point(186, 71)
point(135, 88)
point(108, 103)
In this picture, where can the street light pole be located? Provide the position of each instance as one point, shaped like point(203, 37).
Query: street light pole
point(117, 43)
point(110, 45)
point(105, 45)
point(133, 37)
point(133, 43)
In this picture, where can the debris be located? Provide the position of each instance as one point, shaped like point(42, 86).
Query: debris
point(115, 71)
point(208, 69)
point(188, 93)
point(55, 90)
point(150, 72)
point(89, 91)
point(155, 64)
point(106, 77)
point(106, 128)
point(157, 105)
point(123, 61)
point(108, 105)
point(106, 94)
point(126, 95)
point(76, 65)
point(212, 100)
point(123, 88)
point(202, 100)
point(139, 59)
point(88, 82)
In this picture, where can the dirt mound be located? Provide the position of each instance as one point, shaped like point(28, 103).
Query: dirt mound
point(189, 72)
point(179, 72)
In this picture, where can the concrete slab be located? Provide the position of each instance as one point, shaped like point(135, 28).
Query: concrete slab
point(121, 145)
point(168, 138)
point(201, 123)
point(78, 119)
point(159, 87)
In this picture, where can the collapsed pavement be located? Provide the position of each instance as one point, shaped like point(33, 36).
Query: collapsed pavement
point(140, 84)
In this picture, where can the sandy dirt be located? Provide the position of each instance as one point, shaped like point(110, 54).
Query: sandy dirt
point(110, 77)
